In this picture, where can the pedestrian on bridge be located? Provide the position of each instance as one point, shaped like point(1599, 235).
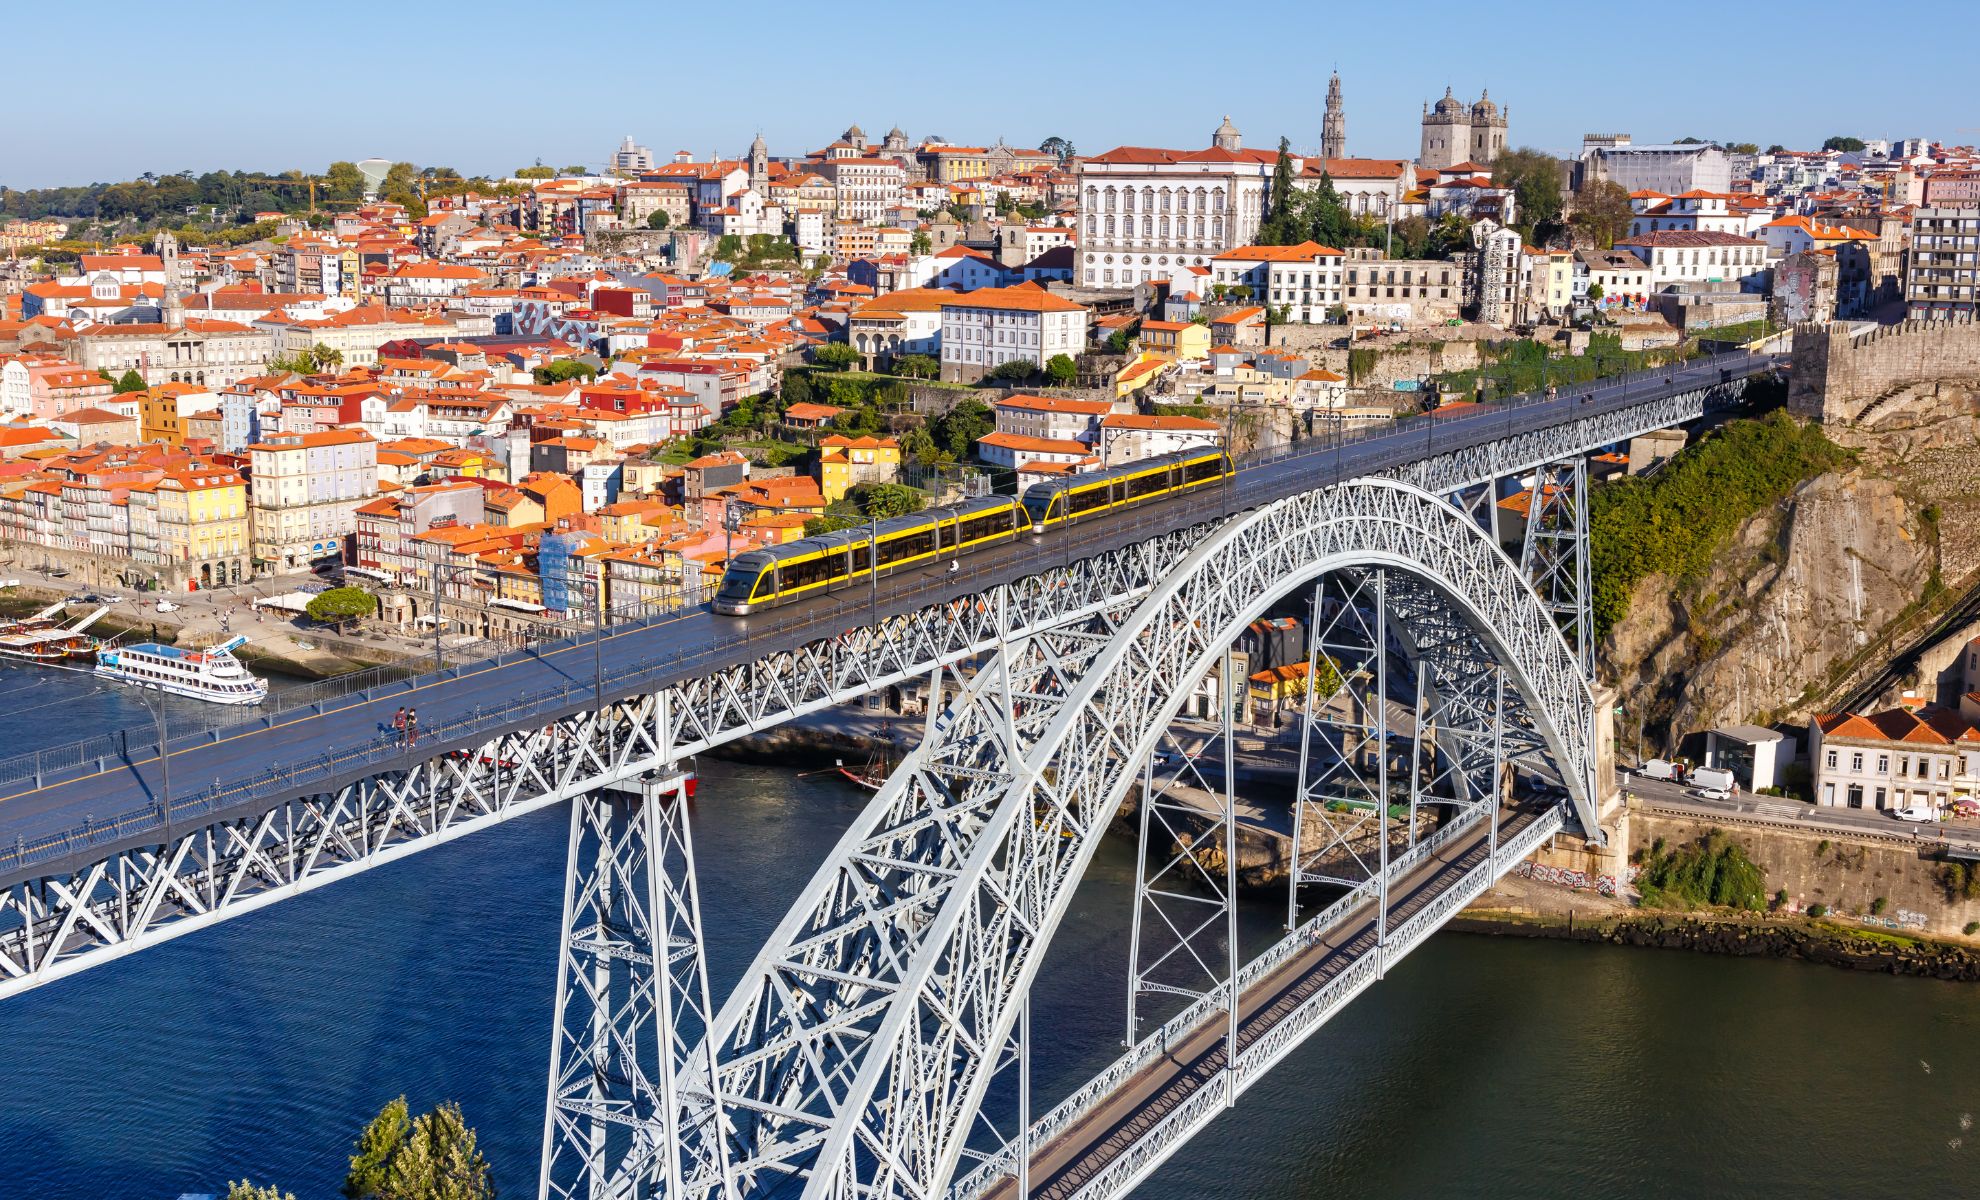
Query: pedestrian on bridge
point(399, 724)
point(412, 727)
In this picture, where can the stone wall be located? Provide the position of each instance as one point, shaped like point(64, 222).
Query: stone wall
point(1840, 379)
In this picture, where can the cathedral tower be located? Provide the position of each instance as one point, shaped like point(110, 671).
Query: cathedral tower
point(1333, 129)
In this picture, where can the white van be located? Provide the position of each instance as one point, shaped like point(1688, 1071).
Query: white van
point(1917, 812)
point(1657, 768)
point(1714, 783)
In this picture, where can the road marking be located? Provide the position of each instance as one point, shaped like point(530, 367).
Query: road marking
point(1779, 810)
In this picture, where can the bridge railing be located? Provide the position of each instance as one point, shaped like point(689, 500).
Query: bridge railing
point(133, 745)
point(1155, 1144)
point(1176, 1029)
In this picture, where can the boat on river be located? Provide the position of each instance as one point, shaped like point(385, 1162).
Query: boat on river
point(213, 674)
point(43, 638)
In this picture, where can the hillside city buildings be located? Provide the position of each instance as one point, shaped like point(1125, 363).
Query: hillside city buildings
point(621, 374)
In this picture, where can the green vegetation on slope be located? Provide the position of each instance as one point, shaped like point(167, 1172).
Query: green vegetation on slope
point(1674, 521)
point(1712, 871)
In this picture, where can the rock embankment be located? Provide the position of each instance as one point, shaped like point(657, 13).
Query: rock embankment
point(1754, 937)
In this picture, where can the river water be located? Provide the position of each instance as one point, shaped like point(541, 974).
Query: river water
point(1481, 1067)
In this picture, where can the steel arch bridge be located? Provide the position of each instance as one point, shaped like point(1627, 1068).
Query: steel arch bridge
point(854, 1055)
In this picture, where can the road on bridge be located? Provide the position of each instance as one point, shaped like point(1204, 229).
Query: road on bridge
point(478, 700)
point(1062, 1166)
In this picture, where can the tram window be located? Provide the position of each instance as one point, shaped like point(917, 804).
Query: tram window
point(1142, 485)
point(862, 556)
point(1089, 499)
point(1202, 469)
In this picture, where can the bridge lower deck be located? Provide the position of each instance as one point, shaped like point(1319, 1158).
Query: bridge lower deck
point(1062, 1166)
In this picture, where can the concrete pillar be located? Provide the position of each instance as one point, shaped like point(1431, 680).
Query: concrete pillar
point(1611, 811)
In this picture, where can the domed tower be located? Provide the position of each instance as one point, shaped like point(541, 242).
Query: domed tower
point(1227, 136)
point(1333, 129)
point(1488, 130)
point(1446, 134)
point(759, 164)
point(897, 141)
point(856, 138)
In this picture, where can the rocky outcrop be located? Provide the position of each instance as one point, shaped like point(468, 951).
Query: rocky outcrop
point(1808, 597)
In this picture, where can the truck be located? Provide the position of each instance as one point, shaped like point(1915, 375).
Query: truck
point(1715, 783)
point(1657, 768)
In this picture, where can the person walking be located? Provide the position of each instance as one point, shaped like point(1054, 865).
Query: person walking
point(412, 727)
point(399, 724)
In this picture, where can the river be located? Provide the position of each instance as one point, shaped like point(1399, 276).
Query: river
point(1483, 1067)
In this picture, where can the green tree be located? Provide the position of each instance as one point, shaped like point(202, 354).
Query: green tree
point(400, 177)
point(1595, 293)
point(657, 219)
point(130, 381)
point(563, 370)
point(957, 430)
point(1848, 145)
point(1535, 179)
point(1743, 148)
point(539, 171)
point(919, 244)
point(432, 1157)
point(1015, 370)
point(1602, 212)
point(1061, 370)
point(1058, 147)
point(341, 605)
point(343, 181)
point(1327, 220)
point(326, 356)
point(576, 169)
point(1280, 226)
point(885, 500)
point(916, 366)
point(243, 1190)
point(377, 1144)
point(835, 355)
point(919, 445)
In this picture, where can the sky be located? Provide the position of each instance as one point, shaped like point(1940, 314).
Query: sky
point(496, 85)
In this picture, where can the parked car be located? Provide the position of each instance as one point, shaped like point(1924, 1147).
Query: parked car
point(1715, 779)
point(1916, 812)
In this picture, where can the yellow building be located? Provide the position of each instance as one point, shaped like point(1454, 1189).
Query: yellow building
point(1176, 341)
point(162, 412)
point(203, 523)
point(844, 463)
point(1141, 371)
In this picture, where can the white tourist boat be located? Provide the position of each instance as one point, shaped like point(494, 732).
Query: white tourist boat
point(212, 674)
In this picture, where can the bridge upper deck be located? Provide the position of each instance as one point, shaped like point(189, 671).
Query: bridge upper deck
point(53, 812)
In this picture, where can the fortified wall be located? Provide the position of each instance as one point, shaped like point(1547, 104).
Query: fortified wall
point(1840, 379)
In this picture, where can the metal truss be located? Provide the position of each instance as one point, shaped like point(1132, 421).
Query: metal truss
point(1554, 553)
point(1185, 879)
point(123, 897)
point(855, 1052)
point(632, 1001)
point(1521, 450)
point(1342, 793)
point(132, 883)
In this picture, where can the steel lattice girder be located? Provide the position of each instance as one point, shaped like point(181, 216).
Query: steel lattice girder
point(135, 896)
point(139, 893)
point(856, 1049)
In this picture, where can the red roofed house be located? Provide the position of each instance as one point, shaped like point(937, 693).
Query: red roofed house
point(1899, 758)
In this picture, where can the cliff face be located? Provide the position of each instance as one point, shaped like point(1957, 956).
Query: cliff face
point(1805, 598)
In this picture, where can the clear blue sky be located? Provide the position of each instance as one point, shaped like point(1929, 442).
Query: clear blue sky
point(97, 94)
